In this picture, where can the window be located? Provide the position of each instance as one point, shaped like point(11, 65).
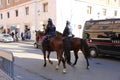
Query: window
point(89, 9)
point(27, 10)
point(16, 13)
point(16, 0)
point(1, 16)
point(115, 0)
point(115, 13)
point(104, 12)
point(8, 1)
point(8, 15)
point(0, 2)
point(108, 2)
point(45, 7)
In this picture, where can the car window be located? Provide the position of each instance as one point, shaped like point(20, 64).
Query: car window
point(6, 35)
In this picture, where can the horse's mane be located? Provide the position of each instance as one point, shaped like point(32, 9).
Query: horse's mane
point(58, 34)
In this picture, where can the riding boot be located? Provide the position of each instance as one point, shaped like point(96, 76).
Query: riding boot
point(44, 44)
point(68, 57)
point(67, 50)
point(48, 46)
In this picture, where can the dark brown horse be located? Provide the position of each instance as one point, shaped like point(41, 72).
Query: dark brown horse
point(76, 45)
point(55, 44)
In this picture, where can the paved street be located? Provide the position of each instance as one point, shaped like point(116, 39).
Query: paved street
point(29, 66)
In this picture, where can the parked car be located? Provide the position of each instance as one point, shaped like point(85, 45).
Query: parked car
point(6, 38)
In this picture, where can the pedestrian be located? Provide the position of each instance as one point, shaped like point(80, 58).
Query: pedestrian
point(67, 34)
point(29, 34)
point(12, 34)
point(16, 35)
point(22, 36)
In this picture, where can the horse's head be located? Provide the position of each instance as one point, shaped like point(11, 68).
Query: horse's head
point(39, 34)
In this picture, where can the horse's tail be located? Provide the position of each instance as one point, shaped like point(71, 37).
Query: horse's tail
point(85, 47)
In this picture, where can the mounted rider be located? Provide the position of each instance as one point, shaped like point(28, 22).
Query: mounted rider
point(67, 33)
point(50, 31)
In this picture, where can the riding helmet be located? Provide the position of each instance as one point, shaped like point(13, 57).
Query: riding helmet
point(49, 19)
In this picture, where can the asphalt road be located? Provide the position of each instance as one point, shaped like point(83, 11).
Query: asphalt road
point(29, 65)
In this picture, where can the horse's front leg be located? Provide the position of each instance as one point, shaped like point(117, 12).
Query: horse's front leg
point(44, 54)
point(48, 56)
point(76, 57)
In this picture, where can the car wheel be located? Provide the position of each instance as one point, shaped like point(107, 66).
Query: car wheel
point(93, 52)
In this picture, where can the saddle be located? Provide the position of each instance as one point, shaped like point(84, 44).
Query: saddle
point(46, 43)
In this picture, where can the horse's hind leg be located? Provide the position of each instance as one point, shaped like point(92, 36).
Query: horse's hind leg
point(87, 62)
point(60, 58)
point(63, 61)
point(85, 55)
point(59, 61)
point(48, 56)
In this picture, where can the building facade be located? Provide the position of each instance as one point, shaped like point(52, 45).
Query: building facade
point(16, 16)
point(30, 15)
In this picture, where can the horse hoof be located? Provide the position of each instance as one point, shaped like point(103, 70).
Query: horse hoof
point(57, 67)
point(69, 63)
point(73, 65)
point(88, 67)
point(64, 71)
point(51, 62)
point(44, 65)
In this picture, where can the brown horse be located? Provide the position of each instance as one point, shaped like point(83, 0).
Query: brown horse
point(55, 44)
point(76, 45)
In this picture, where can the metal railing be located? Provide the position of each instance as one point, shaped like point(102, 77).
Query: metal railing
point(7, 63)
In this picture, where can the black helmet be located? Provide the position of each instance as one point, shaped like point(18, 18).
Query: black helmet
point(67, 22)
point(49, 19)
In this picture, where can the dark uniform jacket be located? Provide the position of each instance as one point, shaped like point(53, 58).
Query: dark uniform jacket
point(50, 30)
point(66, 32)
